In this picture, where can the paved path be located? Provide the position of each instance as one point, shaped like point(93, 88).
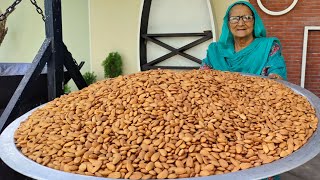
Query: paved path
point(308, 171)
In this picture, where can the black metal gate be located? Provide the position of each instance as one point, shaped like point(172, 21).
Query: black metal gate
point(144, 37)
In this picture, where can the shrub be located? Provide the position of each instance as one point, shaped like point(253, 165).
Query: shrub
point(112, 65)
point(67, 89)
point(90, 77)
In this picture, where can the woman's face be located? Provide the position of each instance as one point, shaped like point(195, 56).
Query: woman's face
point(241, 29)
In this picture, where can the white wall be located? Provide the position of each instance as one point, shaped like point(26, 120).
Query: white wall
point(114, 27)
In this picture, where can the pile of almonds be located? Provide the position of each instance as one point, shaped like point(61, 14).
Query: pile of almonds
point(166, 124)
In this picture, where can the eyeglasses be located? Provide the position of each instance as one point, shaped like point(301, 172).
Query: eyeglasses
point(236, 19)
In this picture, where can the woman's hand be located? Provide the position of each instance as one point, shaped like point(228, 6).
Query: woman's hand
point(205, 67)
point(274, 76)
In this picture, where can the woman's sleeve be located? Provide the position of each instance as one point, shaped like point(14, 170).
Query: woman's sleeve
point(205, 64)
point(275, 64)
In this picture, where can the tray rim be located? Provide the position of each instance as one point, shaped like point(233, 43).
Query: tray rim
point(20, 163)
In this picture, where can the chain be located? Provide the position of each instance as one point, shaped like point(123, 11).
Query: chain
point(39, 10)
point(12, 7)
point(9, 10)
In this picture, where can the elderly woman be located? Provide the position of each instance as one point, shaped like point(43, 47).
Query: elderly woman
point(244, 47)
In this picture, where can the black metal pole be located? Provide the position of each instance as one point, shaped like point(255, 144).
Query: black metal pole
point(73, 69)
point(33, 73)
point(55, 63)
point(144, 31)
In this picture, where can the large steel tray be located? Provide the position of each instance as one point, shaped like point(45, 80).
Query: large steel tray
point(17, 161)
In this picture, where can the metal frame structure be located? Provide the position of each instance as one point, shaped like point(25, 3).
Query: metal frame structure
point(144, 37)
point(304, 52)
point(52, 53)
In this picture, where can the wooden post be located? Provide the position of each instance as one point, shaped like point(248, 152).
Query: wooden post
point(55, 63)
